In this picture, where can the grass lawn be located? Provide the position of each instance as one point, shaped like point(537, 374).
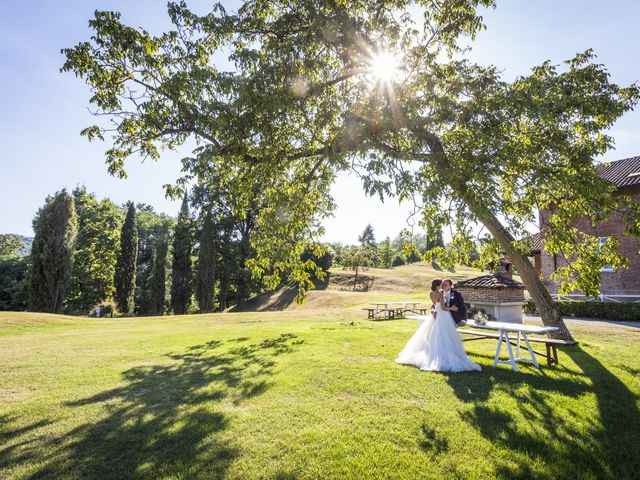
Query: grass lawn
point(303, 394)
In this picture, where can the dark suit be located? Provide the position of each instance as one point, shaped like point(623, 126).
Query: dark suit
point(456, 300)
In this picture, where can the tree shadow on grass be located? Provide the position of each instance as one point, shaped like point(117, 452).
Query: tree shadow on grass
point(165, 421)
point(552, 434)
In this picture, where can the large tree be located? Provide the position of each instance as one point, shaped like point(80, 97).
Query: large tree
point(181, 268)
point(158, 278)
point(152, 227)
point(13, 273)
point(321, 86)
point(97, 247)
point(56, 227)
point(206, 268)
point(10, 243)
point(367, 238)
point(125, 271)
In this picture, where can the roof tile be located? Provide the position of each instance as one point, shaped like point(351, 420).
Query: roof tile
point(490, 281)
point(618, 172)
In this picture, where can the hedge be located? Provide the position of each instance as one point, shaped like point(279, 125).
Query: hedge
point(606, 310)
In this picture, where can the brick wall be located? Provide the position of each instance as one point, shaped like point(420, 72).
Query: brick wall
point(492, 295)
point(623, 282)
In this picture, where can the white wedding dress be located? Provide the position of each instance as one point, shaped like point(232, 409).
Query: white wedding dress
point(436, 346)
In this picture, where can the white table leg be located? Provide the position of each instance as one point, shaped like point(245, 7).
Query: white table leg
point(511, 359)
point(497, 359)
point(518, 346)
point(533, 355)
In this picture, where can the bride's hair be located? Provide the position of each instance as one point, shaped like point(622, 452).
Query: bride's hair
point(435, 284)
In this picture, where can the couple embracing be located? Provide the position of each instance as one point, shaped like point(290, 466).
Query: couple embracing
point(436, 345)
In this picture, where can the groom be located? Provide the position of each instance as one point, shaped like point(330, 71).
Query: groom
point(455, 303)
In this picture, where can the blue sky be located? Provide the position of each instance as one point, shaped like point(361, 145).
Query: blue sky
point(43, 111)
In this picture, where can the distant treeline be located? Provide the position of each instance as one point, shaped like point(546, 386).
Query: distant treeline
point(93, 257)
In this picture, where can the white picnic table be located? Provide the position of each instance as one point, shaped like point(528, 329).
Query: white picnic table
point(384, 309)
point(504, 329)
point(521, 330)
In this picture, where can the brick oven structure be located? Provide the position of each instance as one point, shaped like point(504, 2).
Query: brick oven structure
point(496, 294)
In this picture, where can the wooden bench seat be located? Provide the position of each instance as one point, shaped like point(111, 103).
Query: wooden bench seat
point(550, 344)
point(370, 312)
point(422, 310)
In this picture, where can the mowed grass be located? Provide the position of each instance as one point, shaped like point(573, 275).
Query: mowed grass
point(302, 394)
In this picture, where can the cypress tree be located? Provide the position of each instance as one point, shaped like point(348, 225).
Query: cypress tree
point(56, 227)
point(158, 279)
point(206, 275)
point(125, 274)
point(181, 270)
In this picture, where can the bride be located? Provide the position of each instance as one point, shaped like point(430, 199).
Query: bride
point(436, 345)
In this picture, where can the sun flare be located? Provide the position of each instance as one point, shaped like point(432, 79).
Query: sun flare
point(385, 66)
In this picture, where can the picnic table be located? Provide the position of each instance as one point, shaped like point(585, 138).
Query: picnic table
point(393, 309)
point(504, 329)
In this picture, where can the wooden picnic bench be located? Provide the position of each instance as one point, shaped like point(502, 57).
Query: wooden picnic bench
point(550, 344)
point(394, 311)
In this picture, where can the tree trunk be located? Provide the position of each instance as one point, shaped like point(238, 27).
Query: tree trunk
point(540, 295)
point(548, 312)
point(355, 280)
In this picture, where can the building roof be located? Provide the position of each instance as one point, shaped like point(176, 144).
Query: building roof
point(490, 281)
point(623, 173)
point(536, 242)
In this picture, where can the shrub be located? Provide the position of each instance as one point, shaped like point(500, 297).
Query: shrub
point(107, 309)
point(605, 310)
point(397, 261)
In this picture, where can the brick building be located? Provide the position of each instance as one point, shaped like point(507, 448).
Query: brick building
point(622, 285)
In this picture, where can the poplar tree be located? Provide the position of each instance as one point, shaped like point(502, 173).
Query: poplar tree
point(56, 227)
point(158, 279)
point(181, 268)
point(206, 273)
point(125, 273)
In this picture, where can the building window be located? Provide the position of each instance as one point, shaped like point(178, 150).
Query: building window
point(606, 268)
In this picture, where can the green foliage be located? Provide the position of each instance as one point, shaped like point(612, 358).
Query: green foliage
point(56, 228)
point(338, 251)
point(367, 238)
point(9, 244)
point(206, 268)
point(158, 278)
point(13, 282)
point(104, 309)
point(359, 258)
point(152, 227)
point(125, 271)
point(397, 261)
point(302, 105)
point(386, 253)
point(623, 311)
point(324, 261)
point(97, 247)
point(181, 266)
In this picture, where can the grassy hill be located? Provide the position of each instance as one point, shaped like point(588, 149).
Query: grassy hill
point(340, 289)
point(306, 393)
